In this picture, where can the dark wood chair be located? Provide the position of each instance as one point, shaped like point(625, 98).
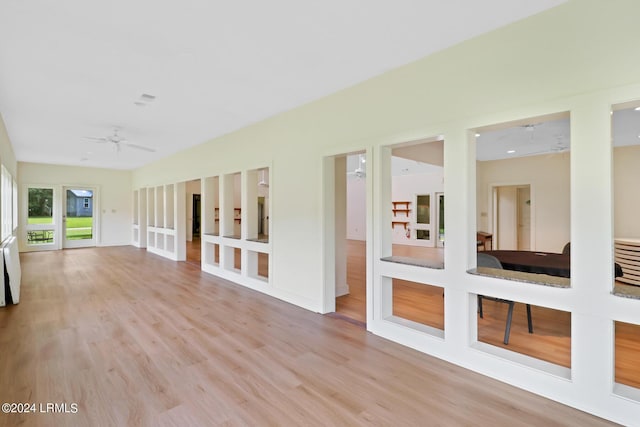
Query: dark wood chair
point(489, 261)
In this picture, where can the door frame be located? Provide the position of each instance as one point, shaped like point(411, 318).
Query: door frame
point(329, 235)
point(81, 243)
point(492, 209)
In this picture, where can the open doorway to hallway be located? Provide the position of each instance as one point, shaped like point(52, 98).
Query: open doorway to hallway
point(193, 214)
point(346, 249)
point(351, 299)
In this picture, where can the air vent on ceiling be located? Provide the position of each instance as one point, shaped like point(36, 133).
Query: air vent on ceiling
point(147, 98)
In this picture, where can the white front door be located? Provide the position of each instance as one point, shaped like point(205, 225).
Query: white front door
point(78, 221)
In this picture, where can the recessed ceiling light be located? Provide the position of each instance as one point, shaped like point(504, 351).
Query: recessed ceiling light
point(511, 151)
point(477, 135)
point(637, 108)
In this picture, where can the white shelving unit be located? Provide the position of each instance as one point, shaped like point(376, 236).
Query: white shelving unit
point(139, 232)
point(166, 216)
point(232, 247)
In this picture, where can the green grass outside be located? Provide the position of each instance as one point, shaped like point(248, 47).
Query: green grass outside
point(77, 222)
point(77, 227)
point(40, 220)
point(72, 222)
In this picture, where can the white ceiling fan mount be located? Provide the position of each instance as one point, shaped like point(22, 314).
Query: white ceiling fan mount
point(118, 141)
point(262, 182)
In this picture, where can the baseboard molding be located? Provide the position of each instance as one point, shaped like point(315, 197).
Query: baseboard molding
point(342, 290)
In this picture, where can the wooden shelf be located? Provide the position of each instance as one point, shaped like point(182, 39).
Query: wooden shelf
point(396, 204)
point(405, 211)
point(402, 207)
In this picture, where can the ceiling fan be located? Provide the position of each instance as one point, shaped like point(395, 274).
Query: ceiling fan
point(262, 182)
point(359, 172)
point(118, 141)
point(560, 146)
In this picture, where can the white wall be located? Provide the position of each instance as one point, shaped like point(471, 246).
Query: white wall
point(626, 180)
point(356, 208)
point(579, 57)
point(115, 192)
point(549, 177)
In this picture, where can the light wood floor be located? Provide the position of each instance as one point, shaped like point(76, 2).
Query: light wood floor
point(135, 339)
point(551, 340)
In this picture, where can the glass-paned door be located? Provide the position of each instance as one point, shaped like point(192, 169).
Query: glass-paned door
point(40, 227)
point(440, 213)
point(423, 218)
point(78, 219)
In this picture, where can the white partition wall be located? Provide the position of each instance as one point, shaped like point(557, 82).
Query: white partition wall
point(537, 68)
point(166, 220)
point(235, 243)
point(139, 237)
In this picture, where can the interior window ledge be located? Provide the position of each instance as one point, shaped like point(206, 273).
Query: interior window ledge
point(558, 371)
point(627, 392)
point(414, 261)
point(518, 276)
point(626, 291)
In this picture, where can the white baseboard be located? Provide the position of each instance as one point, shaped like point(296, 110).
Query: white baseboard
point(342, 290)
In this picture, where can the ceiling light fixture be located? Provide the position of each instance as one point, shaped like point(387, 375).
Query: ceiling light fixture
point(637, 108)
point(477, 135)
point(511, 151)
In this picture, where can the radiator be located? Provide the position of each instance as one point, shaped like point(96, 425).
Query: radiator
point(10, 280)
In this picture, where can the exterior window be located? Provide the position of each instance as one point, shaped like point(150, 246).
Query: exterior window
point(86, 203)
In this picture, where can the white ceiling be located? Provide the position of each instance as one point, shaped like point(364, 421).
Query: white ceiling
point(75, 68)
point(541, 136)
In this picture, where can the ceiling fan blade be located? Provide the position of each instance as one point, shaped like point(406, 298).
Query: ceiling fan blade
point(96, 139)
point(140, 147)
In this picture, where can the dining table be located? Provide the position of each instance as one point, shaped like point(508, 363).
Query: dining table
point(550, 263)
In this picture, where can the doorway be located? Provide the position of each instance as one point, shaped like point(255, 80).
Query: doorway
point(195, 226)
point(78, 220)
point(440, 219)
point(193, 229)
point(261, 217)
point(512, 217)
point(348, 254)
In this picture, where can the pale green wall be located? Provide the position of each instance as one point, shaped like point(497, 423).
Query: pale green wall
point(578, 47)
point(114, 192)
point(580, 57)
